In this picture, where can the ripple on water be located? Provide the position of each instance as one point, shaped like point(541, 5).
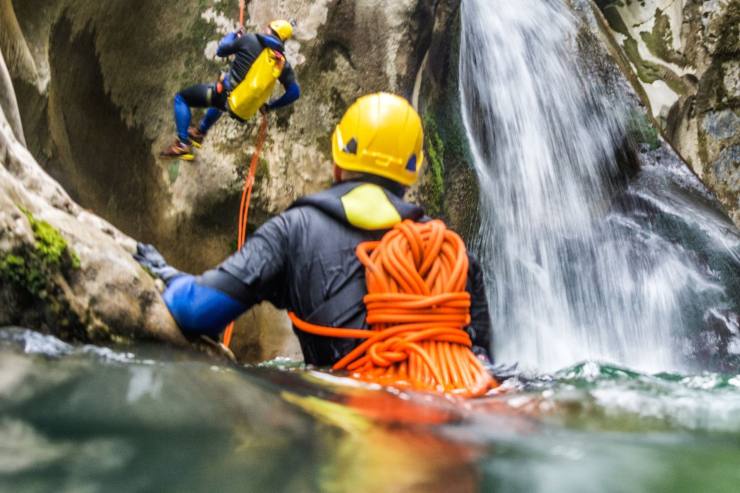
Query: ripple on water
point(33, 342)
point(594, 395)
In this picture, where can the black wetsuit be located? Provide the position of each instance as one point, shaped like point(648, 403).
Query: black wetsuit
point(245, 49)
point(304, 260)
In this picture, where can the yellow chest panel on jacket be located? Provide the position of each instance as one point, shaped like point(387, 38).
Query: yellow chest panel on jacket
point(367, 207)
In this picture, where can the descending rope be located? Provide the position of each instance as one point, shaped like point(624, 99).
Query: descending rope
point(241, 12)
point(244, 205)
point(417, 308)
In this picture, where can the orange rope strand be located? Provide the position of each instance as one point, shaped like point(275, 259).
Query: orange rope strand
point(241, 12)
point(417, 308)
point(244, 205)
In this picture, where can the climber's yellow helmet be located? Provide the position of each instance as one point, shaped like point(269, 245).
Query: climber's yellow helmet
point(380, 134)
point(282, 28)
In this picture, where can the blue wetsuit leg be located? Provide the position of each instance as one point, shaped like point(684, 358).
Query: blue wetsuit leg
point(182, 118)
point(197, 96)
point(211, 117)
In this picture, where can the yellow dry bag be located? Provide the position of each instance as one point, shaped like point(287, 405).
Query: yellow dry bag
point(257, 86)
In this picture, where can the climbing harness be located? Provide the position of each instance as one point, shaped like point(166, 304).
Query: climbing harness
point(244, 204)
point(417, 308)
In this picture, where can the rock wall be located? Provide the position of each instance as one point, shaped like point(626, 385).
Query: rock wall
point(685, 55)
point(449, 186)
point(97, 105)
point(95, 82)
point(63, 270)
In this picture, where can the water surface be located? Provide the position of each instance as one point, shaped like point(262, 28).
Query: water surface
point(81, 418)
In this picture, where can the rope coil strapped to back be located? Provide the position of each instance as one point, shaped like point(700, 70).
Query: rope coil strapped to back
point(417, 307)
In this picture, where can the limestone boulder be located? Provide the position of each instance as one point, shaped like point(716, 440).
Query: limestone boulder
point(685, 55)
point(64, 270)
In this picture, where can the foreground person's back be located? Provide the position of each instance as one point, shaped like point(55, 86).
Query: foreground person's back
point(304, 259)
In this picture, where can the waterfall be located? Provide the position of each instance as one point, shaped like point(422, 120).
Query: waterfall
point(568, 278)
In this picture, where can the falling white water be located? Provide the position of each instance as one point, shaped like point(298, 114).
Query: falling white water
point(567, 281)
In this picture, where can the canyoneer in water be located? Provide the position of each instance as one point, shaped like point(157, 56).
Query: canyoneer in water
point(306, 259)
point(259, 61)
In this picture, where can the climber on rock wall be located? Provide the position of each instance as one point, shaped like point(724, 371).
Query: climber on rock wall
point(247, 82)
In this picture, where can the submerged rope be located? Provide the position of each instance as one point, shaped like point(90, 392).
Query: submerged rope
point(417, 308)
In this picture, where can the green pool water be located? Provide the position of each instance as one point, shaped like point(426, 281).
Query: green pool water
point(88, 419)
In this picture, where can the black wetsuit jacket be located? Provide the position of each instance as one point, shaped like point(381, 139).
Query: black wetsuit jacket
point(246, 49)
point(304, 260)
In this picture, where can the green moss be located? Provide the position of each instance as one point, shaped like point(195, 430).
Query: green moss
point(173, 171)
point(660, 40)
point(49, 242)
point(31, 268)
point(712, 95)
point(650, 72)
point(449, 188)
point(50, 245)
point(642, 131)
point(435, 154)
point(25, 271)
point(15, 270)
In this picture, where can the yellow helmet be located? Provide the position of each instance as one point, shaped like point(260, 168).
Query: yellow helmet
point(282, 28)
point(380, 134)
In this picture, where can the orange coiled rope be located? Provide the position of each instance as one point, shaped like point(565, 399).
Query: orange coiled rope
point(244, 204)
point(417, 308)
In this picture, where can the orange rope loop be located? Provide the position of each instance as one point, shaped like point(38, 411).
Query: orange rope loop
point(417, 308)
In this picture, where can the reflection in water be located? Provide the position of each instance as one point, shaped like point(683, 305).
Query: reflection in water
point(144, 383)
point(68, 424)
point(372, 456)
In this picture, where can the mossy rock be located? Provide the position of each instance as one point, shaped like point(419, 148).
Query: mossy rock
point(32, 268)
point(434, 189)
point(35, 284)
point(449, 186)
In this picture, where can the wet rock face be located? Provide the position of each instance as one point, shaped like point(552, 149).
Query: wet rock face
point(63, 270)
point(686, 56)
point(97, 105)
point(95, 86)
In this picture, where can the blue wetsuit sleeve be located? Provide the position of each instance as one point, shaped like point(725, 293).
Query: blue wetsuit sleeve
point(271, 42)
point(200, 309)
point(227, 46)
point(206, 304)
point(292, 93)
